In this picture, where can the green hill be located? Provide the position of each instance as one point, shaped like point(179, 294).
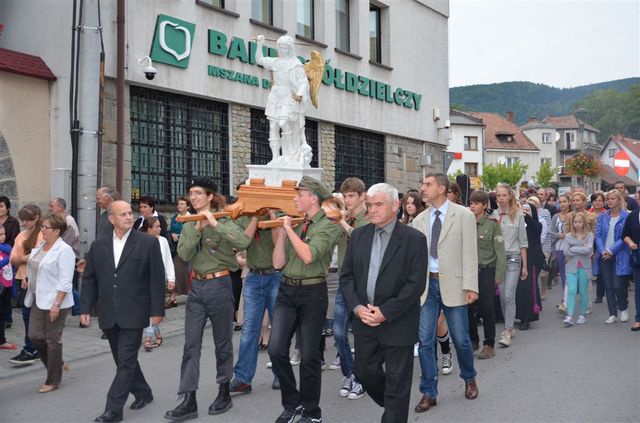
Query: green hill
point(527, 99)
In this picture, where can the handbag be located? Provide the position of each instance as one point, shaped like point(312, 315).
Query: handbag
point(634, 260)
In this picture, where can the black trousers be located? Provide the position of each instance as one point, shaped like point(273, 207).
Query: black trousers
point(388, 386)
point(125, 344)
point(484, 307)
point(303, 308)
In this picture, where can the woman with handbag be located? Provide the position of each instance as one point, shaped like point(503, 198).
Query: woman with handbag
point(631, 237)
point(613, 256)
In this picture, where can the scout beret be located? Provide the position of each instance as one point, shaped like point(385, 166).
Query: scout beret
point(311, 184)
point(202, 181)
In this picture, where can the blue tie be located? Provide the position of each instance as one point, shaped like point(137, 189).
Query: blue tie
point(435, 235)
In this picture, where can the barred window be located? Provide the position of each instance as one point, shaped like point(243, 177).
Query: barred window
point(260, 150)
point(359, 154)
point(174, 138)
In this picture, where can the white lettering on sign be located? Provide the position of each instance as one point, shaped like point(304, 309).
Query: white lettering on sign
point(621, 163)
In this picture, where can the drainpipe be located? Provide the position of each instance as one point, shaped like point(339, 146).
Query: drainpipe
point(120, 93)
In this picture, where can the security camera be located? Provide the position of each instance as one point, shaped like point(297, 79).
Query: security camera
point(447, 124)
point(149, 71)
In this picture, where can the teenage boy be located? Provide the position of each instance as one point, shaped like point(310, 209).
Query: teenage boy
point(492, 261)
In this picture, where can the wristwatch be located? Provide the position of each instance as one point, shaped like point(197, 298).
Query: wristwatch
point(57, 304)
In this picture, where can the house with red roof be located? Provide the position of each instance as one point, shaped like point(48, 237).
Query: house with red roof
point(615, 144)
point(25, 84)
point(505, 142)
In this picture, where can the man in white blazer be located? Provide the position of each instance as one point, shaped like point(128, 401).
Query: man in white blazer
point(452, 284)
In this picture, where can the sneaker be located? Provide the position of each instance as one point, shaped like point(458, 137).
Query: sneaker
point(624, 315)
point(562, 308)
point(346, 386)
point(447, 364)
point(335, 364)
point(295, 358)
point(598, 300)
point(288, 416)
point(307, 419)
point(611, 319)
point(415, 349)
point(327, 332)
point(357, 391)
point(568, 321)
point(237, 387)
point(589, 309)
point(269, 364)
point(505, 338)
point(25, 358)
point(487, 352)
point(581, 320)
point(323, 365)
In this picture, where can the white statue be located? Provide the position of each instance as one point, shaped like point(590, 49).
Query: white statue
point(288, 101)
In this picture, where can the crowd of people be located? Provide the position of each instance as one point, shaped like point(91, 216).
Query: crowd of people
point(369, 261)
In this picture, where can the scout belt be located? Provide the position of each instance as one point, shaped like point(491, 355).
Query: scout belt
point(209, 276)
point(264, 272)
point(302, 281)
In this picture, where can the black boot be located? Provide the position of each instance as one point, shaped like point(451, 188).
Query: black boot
point(524, 324)
point(223, 402)
point(187, 409)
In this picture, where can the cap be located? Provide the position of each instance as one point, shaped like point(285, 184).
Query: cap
point(202, 181)
point(311, 184)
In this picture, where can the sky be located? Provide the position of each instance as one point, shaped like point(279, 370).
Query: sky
point(562, 43)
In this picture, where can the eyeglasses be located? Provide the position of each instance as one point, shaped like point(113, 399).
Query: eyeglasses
point(43, 227)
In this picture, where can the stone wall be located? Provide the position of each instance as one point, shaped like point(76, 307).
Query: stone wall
point(327, 152)
point(402, 158)
point(240, 143)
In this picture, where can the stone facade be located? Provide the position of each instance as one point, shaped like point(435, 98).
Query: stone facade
point(327, 153)
point(403, 158)
point(240, 143)
point(7, 174)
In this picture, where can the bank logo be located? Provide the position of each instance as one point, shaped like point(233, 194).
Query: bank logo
point(172, 41)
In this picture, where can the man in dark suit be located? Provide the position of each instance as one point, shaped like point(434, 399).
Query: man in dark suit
point(383, 276)
point(124, 274)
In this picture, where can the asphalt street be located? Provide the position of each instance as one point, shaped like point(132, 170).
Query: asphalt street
point(587, 373)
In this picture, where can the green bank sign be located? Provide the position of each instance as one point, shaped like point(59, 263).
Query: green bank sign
point(172, 46)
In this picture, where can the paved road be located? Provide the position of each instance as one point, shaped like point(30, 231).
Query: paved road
point(549, 374)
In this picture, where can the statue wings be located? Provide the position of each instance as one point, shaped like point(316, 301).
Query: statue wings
point(314, 69)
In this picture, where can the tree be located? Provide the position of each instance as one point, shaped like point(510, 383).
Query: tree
point(494, 174)
point(452, 176)
point(545, 174)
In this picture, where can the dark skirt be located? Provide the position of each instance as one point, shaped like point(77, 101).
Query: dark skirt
point(528, 303)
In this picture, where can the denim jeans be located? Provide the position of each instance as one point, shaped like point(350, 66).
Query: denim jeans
point(636, 281)
point(508, 289)
point(28, 346)
point(260, 292)
point(458, 323)
point(615, 287)
point(340, 335)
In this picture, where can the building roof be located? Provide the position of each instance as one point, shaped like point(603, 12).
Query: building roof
point(610, 176)
point(499, 125)
point(24, 64)
point(534, 123)
point(460, 118)
point(629, 143)
point(568, 122)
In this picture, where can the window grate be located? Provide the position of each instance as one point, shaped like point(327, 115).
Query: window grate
point(260, 150)
point(174, 138)
point(359, 154)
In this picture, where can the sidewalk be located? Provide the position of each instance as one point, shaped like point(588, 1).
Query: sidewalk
point(79, 343)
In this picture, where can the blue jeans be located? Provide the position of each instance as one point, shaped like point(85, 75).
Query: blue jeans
point(28, 346)
point(458, 323)
point(615, 287)
point(636, 281)
point(260, 293)
point(340, 335)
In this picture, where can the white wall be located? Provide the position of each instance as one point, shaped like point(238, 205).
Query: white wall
point(458, 132)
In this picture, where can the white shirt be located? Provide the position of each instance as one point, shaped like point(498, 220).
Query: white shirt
point(169, 269)
point(118, 246)
point(434, 266)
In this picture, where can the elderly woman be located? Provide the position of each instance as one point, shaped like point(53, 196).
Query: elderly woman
point(50, 275)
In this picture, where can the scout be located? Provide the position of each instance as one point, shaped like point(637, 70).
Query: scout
point(304, 254)
point(209, 246)
point(492, 262)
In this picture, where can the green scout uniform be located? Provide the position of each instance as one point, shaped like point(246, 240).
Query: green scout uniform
point(212, 250)
point(322, 236)
point(260, 251)
point(359, 220)
point(491, 251)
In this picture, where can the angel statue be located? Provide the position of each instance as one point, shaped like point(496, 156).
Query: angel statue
point(288, 101)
